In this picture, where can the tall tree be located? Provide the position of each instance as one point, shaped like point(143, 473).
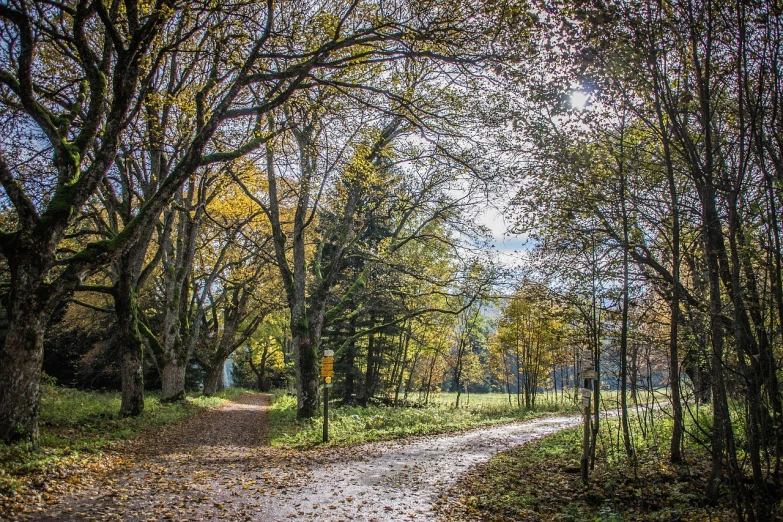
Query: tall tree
point(72, 74)
point(692, 79)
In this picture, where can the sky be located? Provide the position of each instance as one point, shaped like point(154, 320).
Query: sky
point(508, 245)
point(505, 244)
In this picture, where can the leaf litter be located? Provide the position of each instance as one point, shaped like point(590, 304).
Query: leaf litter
point(217, 465)
point(541, 481)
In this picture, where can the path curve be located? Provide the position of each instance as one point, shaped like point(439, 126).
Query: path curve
point(404, 481)
point(204, 470)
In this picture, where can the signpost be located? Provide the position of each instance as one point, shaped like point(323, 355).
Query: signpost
point(588, 375)
point(327, 372)
point(587, 360)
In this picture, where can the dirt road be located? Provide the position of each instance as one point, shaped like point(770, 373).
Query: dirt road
point(216, 467)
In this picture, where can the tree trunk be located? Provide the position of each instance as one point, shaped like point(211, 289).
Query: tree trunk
point(213, 382)
point(526, 357)
point(699, 374)
point(181, 326)
point(130, 344)
point(624, 357)
point(675, 454)
point(678, 429)
point(595, 349)
point(403, 364)
point(458, 372)
point(412, 372)
point(20, 375)
point(306, 369)
point(306, 379)
point(30, 304)
point(508, 375)
point(624, 310)
point(132, 350)
point(349, 385)
point(263, 382)
point(430, 375)
point(519, 374)
point(370, 377)
point(392, 379)
point(596, 427)
point(173, 377)
point(721, 424)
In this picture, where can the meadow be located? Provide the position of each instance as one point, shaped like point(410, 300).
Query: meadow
point(356, 424)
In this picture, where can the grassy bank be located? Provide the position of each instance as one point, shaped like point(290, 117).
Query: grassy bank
point(352, 425)
point(542, 481)
point(78, 426)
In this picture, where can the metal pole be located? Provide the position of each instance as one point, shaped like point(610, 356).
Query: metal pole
point(326, 413)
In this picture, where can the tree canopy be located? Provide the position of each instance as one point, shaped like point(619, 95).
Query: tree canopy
point(190, 186)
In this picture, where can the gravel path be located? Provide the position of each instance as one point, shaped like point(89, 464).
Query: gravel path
point(403, 481)
point(216, 467)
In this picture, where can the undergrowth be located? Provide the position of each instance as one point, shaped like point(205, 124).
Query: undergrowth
point(542, 480)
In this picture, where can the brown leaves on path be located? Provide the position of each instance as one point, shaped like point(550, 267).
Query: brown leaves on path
point(216, 466)
point(157, 475)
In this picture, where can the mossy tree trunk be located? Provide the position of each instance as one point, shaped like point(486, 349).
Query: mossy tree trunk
point(214, 382)
point(182, 311)
point(131, 348)
point(20, 370)
point(173, 380)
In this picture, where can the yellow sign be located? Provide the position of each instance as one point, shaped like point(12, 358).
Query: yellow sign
point(328, 380)
point(327, 368)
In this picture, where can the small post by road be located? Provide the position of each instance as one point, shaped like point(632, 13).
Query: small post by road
point(589, 375)
point(326, 414)
point(586, 439)
point(327, 372)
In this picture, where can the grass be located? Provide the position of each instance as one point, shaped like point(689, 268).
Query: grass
point(544, 400)
point(352, 425)
point(542, 481)
point(76, 425)
point(536, 481)
point(548, 399)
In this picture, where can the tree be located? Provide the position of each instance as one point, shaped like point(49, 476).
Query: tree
point(244, 290)
point(98, 55)
point(529, 332)
point(73, 74)
point(685, 83)
point(264, 359)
